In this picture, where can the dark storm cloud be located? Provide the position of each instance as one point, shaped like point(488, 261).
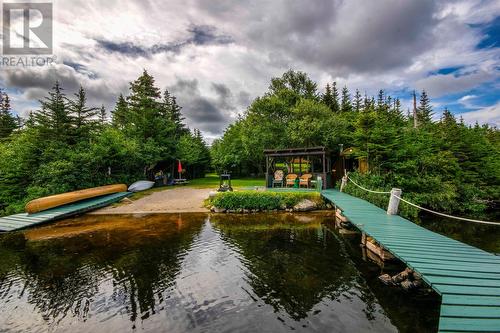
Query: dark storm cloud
point(210, 115)
point(350, 36)
point(37, 82)
point(199, 35)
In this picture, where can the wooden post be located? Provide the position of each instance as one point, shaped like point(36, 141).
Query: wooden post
point(344, 183)
point(267, 172)
point(392, 208)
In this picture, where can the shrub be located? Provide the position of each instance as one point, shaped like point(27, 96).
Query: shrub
point(256, 200)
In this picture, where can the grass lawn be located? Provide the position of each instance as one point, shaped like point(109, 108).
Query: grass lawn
point(211, 180)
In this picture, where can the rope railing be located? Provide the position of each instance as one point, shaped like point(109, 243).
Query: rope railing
point(423, 208)
point(363, 188)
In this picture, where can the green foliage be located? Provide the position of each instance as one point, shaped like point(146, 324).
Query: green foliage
point(446, 165)
point(264, 200)
point(68, 145)
point(8, 122)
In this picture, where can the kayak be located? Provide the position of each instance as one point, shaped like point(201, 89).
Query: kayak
point(141, 185)
point(41, 204)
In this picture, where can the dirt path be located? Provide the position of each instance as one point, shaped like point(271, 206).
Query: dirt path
point(176, 200)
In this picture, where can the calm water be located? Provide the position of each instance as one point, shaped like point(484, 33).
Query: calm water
point(195, 273)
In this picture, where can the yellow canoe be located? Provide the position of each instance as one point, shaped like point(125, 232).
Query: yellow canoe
point(41, 204)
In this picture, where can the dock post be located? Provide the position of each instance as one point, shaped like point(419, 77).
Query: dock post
point(343, 184)
point(392, 208)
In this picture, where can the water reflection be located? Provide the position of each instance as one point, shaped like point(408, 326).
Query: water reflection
point(184, 273)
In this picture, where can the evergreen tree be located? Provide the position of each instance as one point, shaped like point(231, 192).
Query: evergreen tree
point(84, 117)
point(424, 110)
point(54, 120)
point(8, 123)
point(335, 92)
point(173, 113)
point(448, 118)
point(120, 114)
point(357, 101)
point(327, 97)
point(102, 115)
point(346, 105)
point(380, 100)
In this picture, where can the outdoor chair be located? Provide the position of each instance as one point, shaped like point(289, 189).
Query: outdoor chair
point(278, 178)
point(305, 180)
point(290, 179)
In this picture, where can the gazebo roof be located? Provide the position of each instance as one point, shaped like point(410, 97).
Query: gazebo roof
point(297, 151)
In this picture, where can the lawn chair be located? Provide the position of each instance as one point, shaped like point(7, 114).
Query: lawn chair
point(278, 178)
point(290, 179)
point(305, 179)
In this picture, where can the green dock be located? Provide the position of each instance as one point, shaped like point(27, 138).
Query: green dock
point(24, 220)
point(467, 278)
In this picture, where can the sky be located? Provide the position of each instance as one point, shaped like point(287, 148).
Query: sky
point(217, 56)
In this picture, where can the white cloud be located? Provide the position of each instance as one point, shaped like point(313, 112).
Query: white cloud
point(370, 46)
point(488, 115)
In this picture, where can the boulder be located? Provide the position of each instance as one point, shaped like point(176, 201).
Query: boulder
point(305, 205)
point(218, 210)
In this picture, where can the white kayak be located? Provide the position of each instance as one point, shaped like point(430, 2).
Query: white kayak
point(141, 185)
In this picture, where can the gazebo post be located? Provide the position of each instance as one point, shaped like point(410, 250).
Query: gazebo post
point(267, 171)
point(324, 171)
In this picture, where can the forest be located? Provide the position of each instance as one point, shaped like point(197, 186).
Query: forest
point(68, 145)
point(442, 164)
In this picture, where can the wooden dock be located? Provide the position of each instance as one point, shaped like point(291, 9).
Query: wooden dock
point(467, 278)
point(24, 220)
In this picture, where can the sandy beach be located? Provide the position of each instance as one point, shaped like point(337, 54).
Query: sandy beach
point(176, 200)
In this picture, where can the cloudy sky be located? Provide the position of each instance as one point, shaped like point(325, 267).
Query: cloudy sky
point(216, 56)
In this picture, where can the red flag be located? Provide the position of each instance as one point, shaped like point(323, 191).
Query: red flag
point(179, 166)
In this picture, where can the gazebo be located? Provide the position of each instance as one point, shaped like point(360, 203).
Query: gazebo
point(313, 160)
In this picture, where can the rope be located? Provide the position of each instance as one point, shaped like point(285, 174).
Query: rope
point(445, 215)
point(425, 209)
point(361, 187)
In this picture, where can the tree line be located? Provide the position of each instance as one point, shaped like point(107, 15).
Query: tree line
point(67, 145)
point(443, 164)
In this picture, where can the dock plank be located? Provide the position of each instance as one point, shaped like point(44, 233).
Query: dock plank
point(467, 278)
point(21, 221)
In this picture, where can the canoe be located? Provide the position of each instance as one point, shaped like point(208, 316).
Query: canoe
point(57, 200)
point(141, 185)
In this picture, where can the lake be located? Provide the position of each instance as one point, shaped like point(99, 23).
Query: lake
point(200, 273)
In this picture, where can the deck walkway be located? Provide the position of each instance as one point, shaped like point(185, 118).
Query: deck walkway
point(24, 220)
point(467, 278)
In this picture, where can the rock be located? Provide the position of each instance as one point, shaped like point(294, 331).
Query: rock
point(402, 276)
point(409, 285)
point(305, 206)
point(328, 206)
point(246, 211)
point(218, 210)
point(212, 194)
point(386, 279)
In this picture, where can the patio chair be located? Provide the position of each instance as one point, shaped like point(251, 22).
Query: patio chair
point(305, 180)
point(290, 179)
point(278, 178)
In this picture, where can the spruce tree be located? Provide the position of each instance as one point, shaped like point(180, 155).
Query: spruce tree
point(448, 118)
point(327, 97)
point(335, 92)
point(380, 100)
point(8, 123)
point(120, 114)
point(357, 101)
point(54, 120)
point(173, 112)
point(84, 117)
point(102, 115)
point(424, 110)
point(346, 105)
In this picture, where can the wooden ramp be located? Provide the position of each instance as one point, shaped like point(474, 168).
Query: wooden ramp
point(24, 220)
point(467, 278)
